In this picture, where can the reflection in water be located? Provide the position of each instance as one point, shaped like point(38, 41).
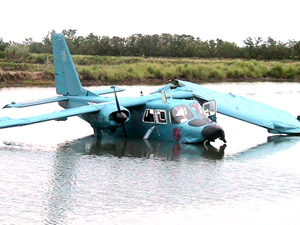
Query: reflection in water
point(274, 144)
point(140, 148)
point(63, 177)
point(62, 202)
point(61, 185)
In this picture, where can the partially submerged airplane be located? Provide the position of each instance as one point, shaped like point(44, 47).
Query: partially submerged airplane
point(180, 111)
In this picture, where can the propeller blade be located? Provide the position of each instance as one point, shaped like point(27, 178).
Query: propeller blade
point(124, 130)
point(120, 116)
point(117, 102)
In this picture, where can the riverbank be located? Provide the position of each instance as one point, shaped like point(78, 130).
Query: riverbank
point(97, 70)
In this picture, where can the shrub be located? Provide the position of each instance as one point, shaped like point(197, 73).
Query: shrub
point(87, 74)
point(17, 53)
point(155, 70)
point(276, 71)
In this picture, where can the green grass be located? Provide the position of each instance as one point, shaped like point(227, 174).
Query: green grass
point(132, 70)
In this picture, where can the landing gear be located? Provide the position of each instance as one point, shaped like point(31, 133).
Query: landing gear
point(98, 133)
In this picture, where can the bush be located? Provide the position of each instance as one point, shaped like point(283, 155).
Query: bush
point(17, 53)
point(87, 74)
point(277, 71)
point(41, 59)
point(2, 54)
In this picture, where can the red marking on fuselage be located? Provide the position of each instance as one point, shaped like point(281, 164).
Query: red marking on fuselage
point(177, 134)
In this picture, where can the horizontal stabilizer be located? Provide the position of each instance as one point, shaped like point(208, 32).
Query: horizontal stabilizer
point(36, 102)
point(6, 122)
point(4, 119)
point(107, 91)
point(275, 120)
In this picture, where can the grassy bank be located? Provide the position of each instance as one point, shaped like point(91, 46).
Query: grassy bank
point(97, 70)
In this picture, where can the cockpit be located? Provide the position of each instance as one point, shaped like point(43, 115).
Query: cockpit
point(182, 113)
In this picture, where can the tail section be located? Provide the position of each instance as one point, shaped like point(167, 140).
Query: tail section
point(66, 77)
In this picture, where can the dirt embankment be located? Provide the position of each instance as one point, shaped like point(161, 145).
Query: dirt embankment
point(40, 78)
point(25, 78)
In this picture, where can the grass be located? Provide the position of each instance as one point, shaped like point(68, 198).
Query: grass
point(133, 70)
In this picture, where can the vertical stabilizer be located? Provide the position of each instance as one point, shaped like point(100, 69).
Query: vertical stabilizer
point(66, 77)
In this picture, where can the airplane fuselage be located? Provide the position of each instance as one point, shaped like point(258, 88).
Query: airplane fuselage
point(175, 120)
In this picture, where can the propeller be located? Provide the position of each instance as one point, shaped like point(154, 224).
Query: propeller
point(119, 116)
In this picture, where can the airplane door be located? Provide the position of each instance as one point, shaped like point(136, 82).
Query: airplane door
point(210, 109)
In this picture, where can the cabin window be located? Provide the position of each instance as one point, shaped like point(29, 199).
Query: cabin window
point(158, 116)
point(148, 116)
point(198, 109)
point(181, 114)
point(161, 116)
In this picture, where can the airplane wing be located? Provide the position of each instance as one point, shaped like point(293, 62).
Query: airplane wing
point(37, 102)
point(6, 122)
point(275, 120)
point(132, 102)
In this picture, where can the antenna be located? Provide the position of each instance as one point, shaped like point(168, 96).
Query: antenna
point(164, 96)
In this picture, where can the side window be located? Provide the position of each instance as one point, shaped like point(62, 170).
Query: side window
point(158, 116)
point(161, 116)
point(148, 116)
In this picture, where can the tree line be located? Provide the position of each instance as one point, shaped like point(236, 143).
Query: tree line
point(164, 45)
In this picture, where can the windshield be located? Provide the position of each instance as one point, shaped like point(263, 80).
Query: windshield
point(198, 109)
point(181, 114)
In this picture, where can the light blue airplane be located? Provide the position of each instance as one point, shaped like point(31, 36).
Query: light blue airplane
point(180, 111)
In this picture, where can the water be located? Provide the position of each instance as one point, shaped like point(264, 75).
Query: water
point(55, 173)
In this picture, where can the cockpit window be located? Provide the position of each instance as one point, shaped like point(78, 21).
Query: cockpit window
point(181, 114)
point(198, 109)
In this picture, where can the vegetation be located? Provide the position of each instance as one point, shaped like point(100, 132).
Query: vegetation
point(167, 45)
point(99, 70)
point(153, 59)
point(16, 53)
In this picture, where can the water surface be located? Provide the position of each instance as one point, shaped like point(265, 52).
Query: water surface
point(56, 173)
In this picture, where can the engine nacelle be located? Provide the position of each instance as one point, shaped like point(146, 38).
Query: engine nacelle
point(109, 118)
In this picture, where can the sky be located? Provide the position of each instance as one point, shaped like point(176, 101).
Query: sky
point(229, 20)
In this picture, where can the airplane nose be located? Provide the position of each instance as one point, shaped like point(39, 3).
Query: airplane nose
point(212, 132)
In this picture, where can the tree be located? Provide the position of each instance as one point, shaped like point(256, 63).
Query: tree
point(47, 42)
point(253, 49)
point(117, 46)
point(227, 49)
point(296, 50)
point(104, 46)
point(91, 45)
point(165, 45)
point(70, 38)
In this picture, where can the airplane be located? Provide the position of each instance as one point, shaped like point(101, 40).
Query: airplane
point(181, 111)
